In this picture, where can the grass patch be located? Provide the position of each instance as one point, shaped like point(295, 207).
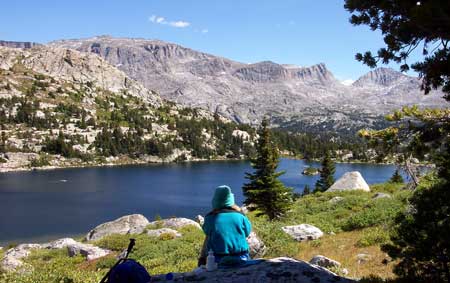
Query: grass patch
point(373, 236)
point(360, 222)
point(376, 212)
point(344, 247)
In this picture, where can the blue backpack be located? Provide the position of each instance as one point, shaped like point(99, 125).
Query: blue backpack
point(127, 270)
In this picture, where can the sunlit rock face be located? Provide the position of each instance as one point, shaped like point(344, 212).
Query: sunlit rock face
point(298, 97)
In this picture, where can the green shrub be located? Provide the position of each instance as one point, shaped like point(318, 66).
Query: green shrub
point(114, 242)
point(387, 187)
point(40, 161)
point(377, 212)
point(373, 236)
point(317, 210)
point(277, 242)
point(106, 262)
point(166, 236)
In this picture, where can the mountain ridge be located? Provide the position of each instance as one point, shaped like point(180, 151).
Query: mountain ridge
point(309, 97)
point(19, 44)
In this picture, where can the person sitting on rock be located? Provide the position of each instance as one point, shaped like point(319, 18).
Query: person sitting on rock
point(226, 229)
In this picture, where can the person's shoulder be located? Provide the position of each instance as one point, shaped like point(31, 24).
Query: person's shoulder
point(237, 214)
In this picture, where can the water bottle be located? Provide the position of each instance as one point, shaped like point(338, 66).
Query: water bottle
point(211, 261)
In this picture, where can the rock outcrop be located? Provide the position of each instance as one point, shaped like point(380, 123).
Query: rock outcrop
point(303, 232)
point(90, 252)
point(336, 199)
point(349, 182)
point(175, 223)
point(256, 246)
point(324, 261)
point(77, 67)
point(274, 270)
point(16, 160)
point(200, 219)
point(129, 224)
point(18, 44)
point(363, 258)
point(159, 232)
point(60, 244)
point(12, 260)
point(381, 195)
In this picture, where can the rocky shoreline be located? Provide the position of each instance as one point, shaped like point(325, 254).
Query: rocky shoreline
point(22, 162)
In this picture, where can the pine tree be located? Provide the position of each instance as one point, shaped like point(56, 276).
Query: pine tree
point(419, 238)
point(306, 191)
point(82, 124)
point(396, 177)
point(326, 174)
point(265, 192)
point(2, 139)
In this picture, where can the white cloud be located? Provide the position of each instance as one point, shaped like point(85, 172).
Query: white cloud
point(347, 82)
point(180, 24)
point(162, 21)
point(205, 30)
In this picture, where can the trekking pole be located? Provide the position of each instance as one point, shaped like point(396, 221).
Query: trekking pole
point(130, 247)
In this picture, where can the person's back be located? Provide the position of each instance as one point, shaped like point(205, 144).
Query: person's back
point(227, 231)
point(226, 228)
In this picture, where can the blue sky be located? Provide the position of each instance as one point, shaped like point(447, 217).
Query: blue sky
point(300, 32)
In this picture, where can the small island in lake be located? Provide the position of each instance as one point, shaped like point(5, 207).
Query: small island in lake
point(310, 171)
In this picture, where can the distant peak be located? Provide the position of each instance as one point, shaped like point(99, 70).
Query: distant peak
point(314, 73)
point(380, 77)
point(103, 36)
point(265, 62)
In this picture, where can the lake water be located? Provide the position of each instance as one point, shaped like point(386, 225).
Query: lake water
point(43, 205)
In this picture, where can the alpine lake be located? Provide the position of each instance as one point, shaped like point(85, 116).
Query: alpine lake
point(39, 206)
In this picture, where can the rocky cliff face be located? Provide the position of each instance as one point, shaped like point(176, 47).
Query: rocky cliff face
point(77, 67)
point(384, 77)
point(299, 97)
point(18, 44)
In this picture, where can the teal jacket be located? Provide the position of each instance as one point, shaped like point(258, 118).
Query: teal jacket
point(227, 232)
